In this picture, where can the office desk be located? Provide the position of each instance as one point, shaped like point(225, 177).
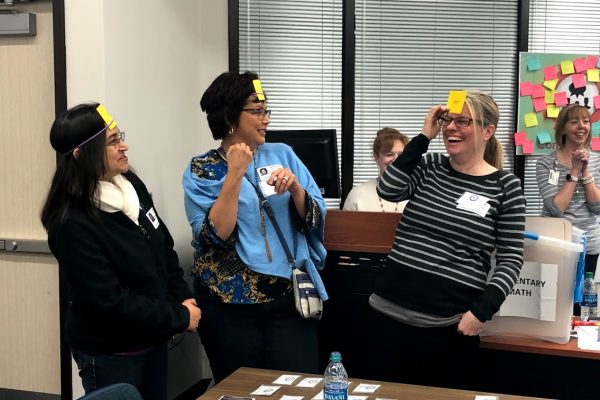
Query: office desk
point(245, 380)
point(537, 346)
point(534, 367)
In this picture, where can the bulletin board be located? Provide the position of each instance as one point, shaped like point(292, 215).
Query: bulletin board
point(548, 82)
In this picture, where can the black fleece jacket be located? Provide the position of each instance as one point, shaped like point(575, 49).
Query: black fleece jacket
point(126, 286)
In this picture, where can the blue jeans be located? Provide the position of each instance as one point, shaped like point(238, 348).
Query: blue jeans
point(118, 391)
point(147, 371)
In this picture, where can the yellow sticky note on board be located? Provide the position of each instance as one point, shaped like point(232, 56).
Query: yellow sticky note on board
point(530, 120)
point(456, 101)
point(108, 120)
point(258, 90)
point(593, 75)
point(549, 96)
point(567, 67)
point(552, 111)
point(551, 84)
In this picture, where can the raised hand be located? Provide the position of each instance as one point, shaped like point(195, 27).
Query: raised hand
point(579, 159)
point(239, 157)
point(431, 127)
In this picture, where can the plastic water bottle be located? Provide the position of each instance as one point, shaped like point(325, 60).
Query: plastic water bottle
point(590, 297)
point(335, 379)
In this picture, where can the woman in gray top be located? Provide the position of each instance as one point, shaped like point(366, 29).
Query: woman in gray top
point(566, 178)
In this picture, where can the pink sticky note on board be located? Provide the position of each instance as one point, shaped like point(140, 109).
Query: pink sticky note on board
point(592, 62)
point(519, 138)
point(549, 73)
point(595, 143)
point(525, 88)
point(537, 91)
point(578, 80)
point(596, 102)
point(560, 99)
point(527, 146)
point(580, 64)
point(539, 104)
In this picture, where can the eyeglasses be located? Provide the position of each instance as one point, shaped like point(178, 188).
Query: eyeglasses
point(116, 139)
point(259, 112)
point(462, 122)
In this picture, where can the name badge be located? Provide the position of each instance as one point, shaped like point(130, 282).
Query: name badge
point(553, 177)
point(264, 173)
point(474, 203)
point(151, 215)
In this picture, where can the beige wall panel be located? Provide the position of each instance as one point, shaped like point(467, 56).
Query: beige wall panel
point(26, 112)
point(30, 345)
point(29, 318)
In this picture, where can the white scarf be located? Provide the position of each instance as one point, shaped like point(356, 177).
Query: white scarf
point(119, 195)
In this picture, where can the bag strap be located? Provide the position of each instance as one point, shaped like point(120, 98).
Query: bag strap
point(264, 204)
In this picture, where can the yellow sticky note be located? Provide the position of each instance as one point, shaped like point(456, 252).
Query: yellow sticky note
point(551, 84)
point(549, 96)
point(593, 75)
point(567, 67)
point(258, 90)
point(530, 120)
point(552, 111)
point(456, 101)
point(104, 114)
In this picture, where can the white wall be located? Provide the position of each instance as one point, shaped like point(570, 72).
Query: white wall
point(149, 61)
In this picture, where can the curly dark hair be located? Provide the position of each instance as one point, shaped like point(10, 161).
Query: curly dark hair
point(224, 99)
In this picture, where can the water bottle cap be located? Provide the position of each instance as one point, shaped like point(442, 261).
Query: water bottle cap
point(589, 275)
point(335, 356)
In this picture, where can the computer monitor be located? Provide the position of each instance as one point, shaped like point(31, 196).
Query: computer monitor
point(317, 149)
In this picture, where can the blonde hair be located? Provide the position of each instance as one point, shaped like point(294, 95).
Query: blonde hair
point(567, 113)
point(384, 141)
point(484, 112)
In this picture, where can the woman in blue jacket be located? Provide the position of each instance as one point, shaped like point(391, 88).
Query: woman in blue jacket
point(241, 274)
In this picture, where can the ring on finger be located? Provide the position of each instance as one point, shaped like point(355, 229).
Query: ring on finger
point(285, 178)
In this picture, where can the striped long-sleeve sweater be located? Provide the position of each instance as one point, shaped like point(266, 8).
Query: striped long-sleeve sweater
point(581, 213)
point(441, 258)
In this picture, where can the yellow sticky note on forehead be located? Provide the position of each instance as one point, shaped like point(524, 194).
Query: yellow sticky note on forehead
point(456, 101)
point(108, 120)
point(258, 90)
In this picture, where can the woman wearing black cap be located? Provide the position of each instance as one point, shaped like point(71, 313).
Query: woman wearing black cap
point(128, 296)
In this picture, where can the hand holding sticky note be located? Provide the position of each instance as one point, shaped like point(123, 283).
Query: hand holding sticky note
point(456, 101)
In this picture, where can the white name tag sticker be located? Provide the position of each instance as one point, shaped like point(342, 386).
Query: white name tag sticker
point(264, 173)
point(474, 203)
point(151, 215)
point(553, 177)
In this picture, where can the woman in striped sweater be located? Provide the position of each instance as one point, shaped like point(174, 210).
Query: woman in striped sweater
point(566, 179)
point(438, 288)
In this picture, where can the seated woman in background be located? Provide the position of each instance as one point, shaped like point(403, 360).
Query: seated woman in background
point(566, 178)
point(387, 146)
